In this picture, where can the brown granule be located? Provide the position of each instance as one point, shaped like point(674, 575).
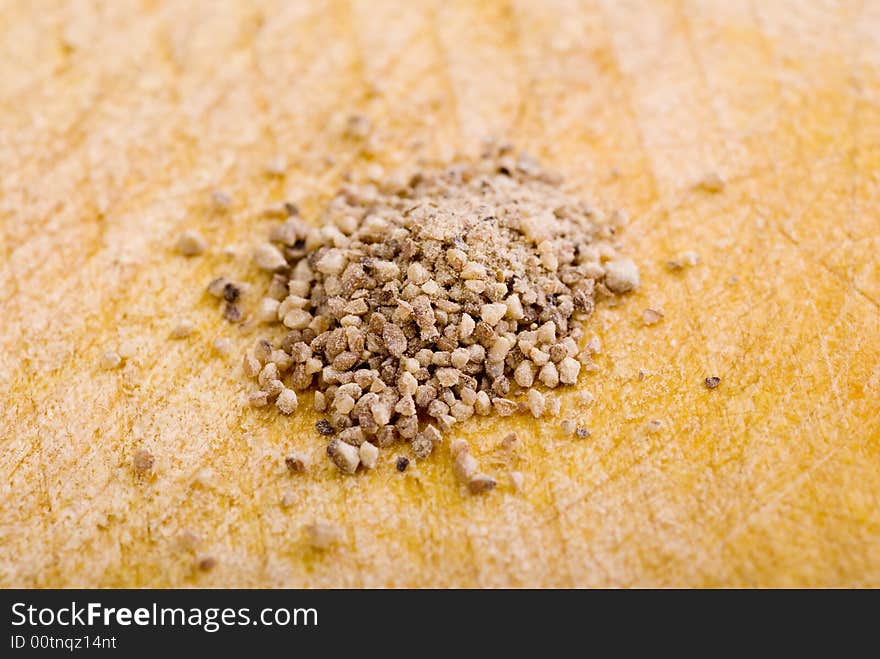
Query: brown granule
point(418, 302)
point(324, 428)
point(296, 463)
point(142, 461)
point(206, 563)
point(466, 468)
point(358, 126)
point(481, 483)
point(343, 455)
point(712, 382)
point(232, 313)
point(231, 292)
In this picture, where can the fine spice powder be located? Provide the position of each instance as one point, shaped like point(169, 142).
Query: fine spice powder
point(421, 301)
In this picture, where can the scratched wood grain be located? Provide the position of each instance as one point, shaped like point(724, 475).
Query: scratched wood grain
point(118, 119)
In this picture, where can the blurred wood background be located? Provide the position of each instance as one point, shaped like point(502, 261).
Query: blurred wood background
point(117, 121)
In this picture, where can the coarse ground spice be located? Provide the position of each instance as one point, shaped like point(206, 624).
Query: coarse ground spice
point(421, 301)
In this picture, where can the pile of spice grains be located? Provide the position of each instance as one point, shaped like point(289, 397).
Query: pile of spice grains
point(419, 302)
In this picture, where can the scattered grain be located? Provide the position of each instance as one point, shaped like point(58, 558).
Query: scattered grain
point(481, 483)
point(258, 399)
point(182, 329)
point(189, 540)
point(537, 403)
point(191, 243)
point(358, 126)
point(110, 360)
point(343, 455)
point(687, 258)
point(142, 461)
point(569, 369)
point(517, 480)
point(217, 286)
point(324, 428)
point(277, 166)
point(321, 535)
point(221, 200)
point(690, 258)
point(651, 316)
point(712, 183)
point(464, 466)
point(269, 258)
point(621, 276)
point(206, 563)
point(128, 349)
point(297, 463)
point(222, 346)
point(654, 425)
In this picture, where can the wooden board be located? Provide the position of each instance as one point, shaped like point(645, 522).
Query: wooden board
point(118, 119)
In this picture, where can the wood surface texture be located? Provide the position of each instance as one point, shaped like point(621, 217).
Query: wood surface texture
point(118, 119)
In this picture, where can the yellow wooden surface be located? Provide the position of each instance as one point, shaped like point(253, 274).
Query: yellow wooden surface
point(117, 119)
